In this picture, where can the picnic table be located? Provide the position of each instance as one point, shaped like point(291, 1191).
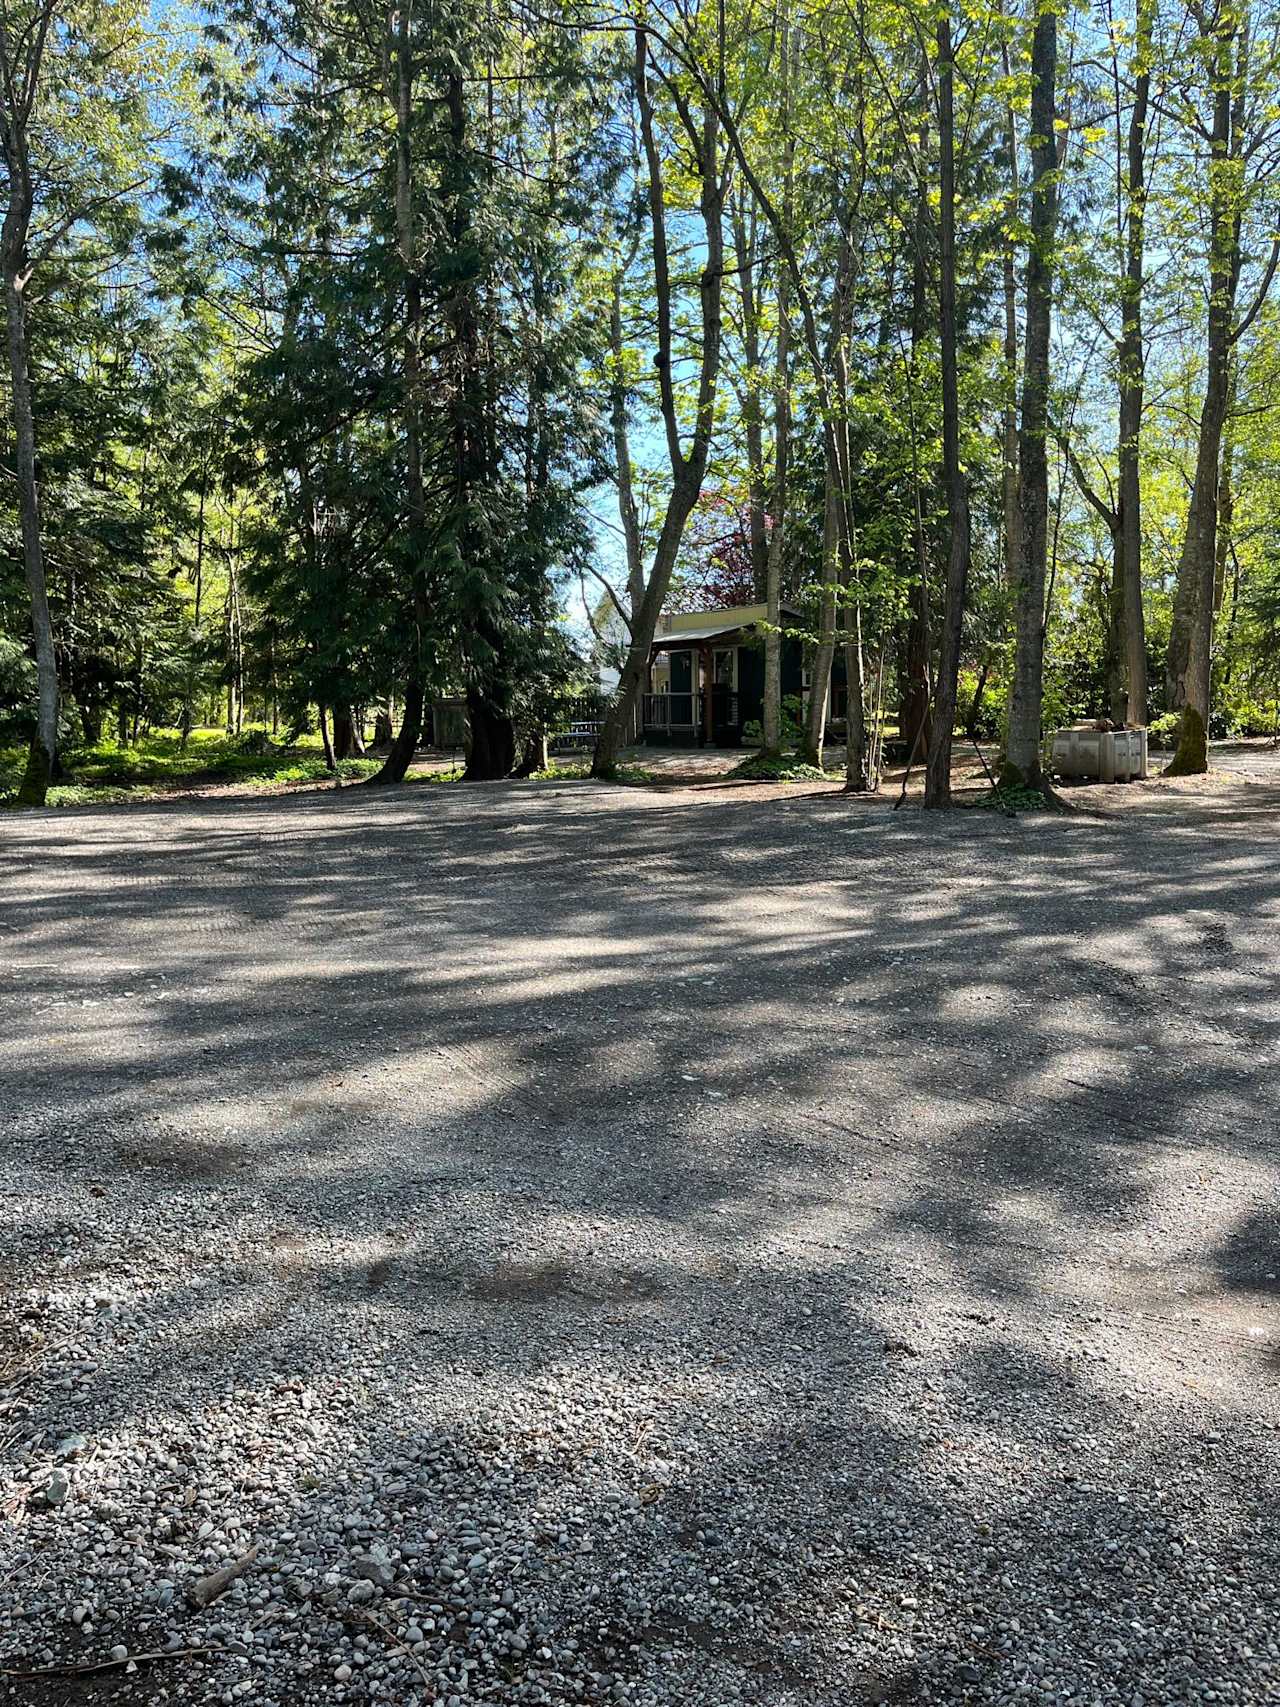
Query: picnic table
point(576, 737)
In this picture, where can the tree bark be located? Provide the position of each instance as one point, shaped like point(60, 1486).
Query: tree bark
point(915, 695)
point(1128, 606)
point(1191, 632)
point(1022, 755)
point(857, 776)
point(815, 719)
point(470, 411)
point(771, 716)
point(42, 759)
point(400, 72)
point(815, 712)
point(838, 569)
point(746, 252)
point(346, 742)
point(21, 63)
point(628, 513)
point(1009, 415)
point(492, 752)
point(937, 792)
point(400, 754)
point(325, 739)
point(687, 470)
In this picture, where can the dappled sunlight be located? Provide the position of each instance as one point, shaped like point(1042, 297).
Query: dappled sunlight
point(649, 1172)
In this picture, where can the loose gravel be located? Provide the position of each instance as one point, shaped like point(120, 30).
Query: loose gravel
point(607, 1246)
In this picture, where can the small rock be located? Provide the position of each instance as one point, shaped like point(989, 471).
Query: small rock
point(361, 1593)
point(54, 1491)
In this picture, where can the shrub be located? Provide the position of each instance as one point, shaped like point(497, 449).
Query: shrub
point(789, 732)
point(765, 767)
point(1162, 732)
point(1254, 717)
point(1012, 798)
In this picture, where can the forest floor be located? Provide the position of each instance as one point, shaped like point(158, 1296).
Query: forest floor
point(679, 1247)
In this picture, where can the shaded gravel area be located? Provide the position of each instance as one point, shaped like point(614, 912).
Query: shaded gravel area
point(664, 1247)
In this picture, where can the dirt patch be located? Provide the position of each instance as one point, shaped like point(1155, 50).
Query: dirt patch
point(194, 1161)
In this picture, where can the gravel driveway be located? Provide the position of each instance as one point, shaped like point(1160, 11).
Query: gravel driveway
point(676, 1247)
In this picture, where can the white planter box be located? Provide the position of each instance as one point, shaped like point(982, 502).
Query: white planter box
point(1110, 755)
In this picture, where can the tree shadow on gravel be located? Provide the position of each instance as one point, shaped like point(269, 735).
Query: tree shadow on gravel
point(891, 1198)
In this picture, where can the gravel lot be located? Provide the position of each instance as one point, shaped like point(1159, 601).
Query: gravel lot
point(670, 1247)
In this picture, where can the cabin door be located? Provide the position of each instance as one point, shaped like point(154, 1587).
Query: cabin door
point(683, 703)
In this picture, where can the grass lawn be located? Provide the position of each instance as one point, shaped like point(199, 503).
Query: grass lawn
point(159, 763)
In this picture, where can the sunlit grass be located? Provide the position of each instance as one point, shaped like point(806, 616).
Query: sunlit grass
point(107, 772)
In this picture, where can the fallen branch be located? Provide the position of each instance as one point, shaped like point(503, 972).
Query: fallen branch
point(83, 1669)
point(207, 1590)
point(401, 1647)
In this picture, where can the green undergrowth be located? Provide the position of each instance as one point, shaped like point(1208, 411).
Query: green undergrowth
point(1012, 798)
point(580, 771)
point(784, 767)
point(109, 774)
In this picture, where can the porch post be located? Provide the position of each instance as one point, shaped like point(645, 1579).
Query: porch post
point(708, 715)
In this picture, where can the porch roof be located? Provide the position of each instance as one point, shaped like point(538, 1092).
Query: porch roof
point(726, 623)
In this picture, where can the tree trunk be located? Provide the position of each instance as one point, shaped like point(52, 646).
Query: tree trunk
point(405, 745)
point(1191, 632)
point(937, 791)
point(400, 93)
point(635, 668)
point(469, 413)
point(815, 720)
point(771, 715)
point(628, 513)
point(535, 757)
point(346, 745)
point(975, 708)
point(1022, 755)
point(1226, 501)
point(492, 752)
point(857, 777)
point(1009, 415)
point(745, 252)
point(1128, 607)
point(1115, 667)
point(325, 741)
point(687, 471)
point(42, 759)
point(915, 688)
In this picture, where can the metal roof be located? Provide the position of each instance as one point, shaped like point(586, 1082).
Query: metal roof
point(728, 623)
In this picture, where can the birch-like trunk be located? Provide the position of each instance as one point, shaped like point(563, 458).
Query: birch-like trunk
point(937, 791)
point(1022, 754)
point(1128, 605)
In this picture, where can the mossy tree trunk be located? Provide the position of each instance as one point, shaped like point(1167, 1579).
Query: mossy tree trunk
point(1187, 663)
